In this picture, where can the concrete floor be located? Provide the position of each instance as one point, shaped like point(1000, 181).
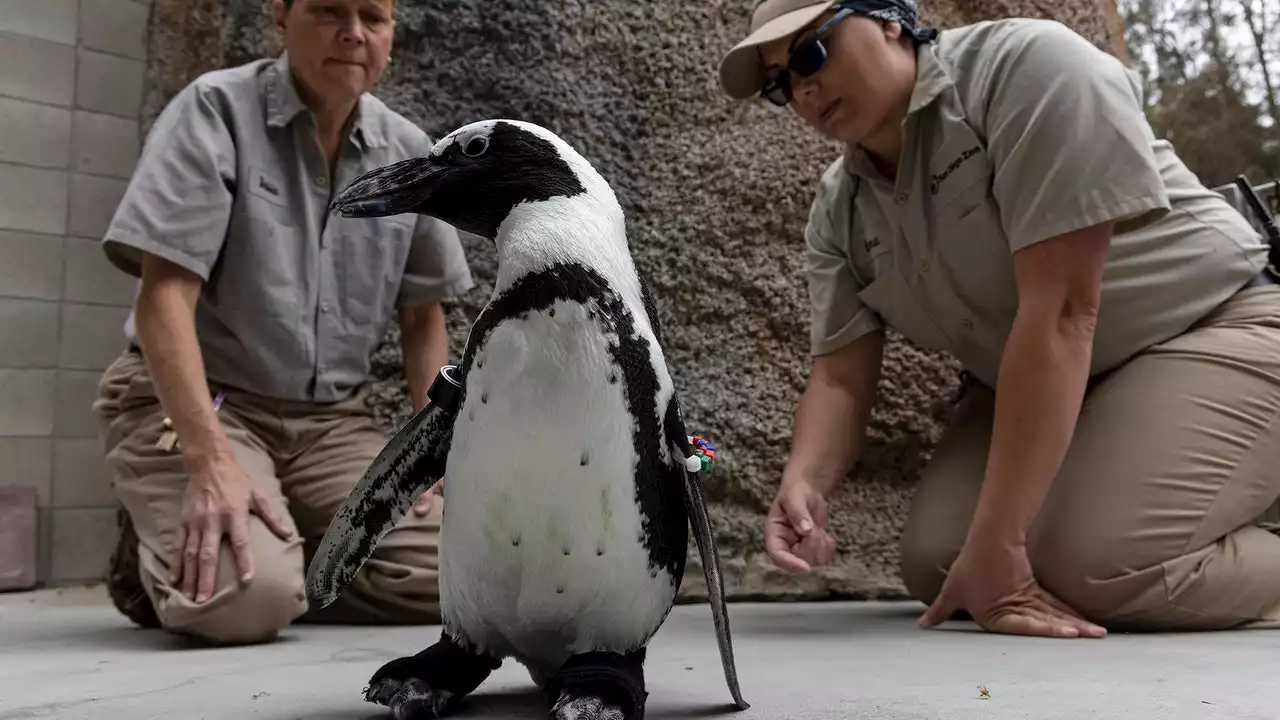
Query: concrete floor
point(68, 655)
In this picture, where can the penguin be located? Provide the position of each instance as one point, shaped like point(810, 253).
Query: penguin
point(569, 478)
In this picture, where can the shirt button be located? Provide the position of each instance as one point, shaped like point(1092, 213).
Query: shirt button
point(324, 307)
point(900, 198)
point(968, 324)
point(321, 180)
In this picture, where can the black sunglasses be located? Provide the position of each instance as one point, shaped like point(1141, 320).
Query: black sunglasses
point(805, 59)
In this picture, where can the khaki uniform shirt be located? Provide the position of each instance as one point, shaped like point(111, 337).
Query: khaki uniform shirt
point(1018, 131)
point(232, 185)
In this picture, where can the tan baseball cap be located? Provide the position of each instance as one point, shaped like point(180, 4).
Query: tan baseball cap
point(742, 68)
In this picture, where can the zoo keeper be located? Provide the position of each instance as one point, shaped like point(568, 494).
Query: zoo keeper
point(1001, 196)
point(252, 331)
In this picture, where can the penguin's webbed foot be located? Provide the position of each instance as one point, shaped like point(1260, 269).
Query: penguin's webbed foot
point(599, 686)
point(411, 699)
point(430, 684)
point(585, 707)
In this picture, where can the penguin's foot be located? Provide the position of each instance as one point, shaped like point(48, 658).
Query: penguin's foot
point(411, 699)
point(430, 684)
point(599, 686)
point(586, 707)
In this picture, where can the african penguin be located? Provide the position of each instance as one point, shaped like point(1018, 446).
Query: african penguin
point(569, 479)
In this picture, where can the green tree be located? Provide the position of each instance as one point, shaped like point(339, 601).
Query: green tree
point(1198, 84)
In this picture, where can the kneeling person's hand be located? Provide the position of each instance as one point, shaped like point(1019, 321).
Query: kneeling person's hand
point(796, 534)
point(218, 500)
point(429, 499)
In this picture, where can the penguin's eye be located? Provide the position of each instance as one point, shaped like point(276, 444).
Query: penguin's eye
point(476, 146)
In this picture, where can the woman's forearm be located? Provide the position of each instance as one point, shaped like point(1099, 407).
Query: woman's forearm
point(1039, 392)
point(831, 417)
point(826, 437)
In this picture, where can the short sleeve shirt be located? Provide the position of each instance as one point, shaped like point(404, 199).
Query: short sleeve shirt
point(233, 186)
point(1018, 131)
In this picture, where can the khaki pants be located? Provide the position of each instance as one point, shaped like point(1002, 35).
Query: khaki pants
point(305, 458)
point(1160, 516)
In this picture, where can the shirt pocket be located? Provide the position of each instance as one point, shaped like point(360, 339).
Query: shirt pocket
point(896, 303)
point(260, 268)
point(969, 246)
point(371, 265)
point(972, 249)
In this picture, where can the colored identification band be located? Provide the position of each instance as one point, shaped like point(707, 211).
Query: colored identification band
point(703, 457)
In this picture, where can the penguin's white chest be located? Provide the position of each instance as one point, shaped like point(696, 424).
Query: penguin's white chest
point(541, 549)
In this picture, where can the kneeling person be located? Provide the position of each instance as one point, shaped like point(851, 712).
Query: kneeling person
point(252, 331)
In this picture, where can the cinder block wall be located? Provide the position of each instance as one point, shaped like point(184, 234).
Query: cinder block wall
point(71, 80)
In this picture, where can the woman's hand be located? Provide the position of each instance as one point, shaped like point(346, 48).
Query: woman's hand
point(993, 582)
point(795, 531)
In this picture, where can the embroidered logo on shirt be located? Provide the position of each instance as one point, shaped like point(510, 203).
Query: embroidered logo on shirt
point(955, 165)
point(261, 184)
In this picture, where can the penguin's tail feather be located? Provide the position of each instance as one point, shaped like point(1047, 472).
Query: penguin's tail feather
point(408, 465)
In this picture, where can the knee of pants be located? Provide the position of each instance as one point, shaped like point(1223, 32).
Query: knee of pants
point(239, 614)
point(1075, 563)
point(398, 583)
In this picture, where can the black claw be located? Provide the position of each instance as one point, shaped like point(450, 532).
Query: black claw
point(382, 691)
point(416, 700)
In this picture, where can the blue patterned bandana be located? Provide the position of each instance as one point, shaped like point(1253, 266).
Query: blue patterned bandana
point(902, 12)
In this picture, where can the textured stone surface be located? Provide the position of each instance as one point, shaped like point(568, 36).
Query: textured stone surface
point(716, 196)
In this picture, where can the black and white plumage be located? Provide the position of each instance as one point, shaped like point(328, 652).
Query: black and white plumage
point(567, 491)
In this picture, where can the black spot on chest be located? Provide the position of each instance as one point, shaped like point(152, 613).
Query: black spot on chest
point(659, 492)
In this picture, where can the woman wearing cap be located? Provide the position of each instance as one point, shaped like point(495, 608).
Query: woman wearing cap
point(1001, 197)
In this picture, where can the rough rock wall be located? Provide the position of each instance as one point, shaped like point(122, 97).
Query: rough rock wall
point(716, 196)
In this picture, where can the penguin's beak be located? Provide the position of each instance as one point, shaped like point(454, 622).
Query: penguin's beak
point(401, 187)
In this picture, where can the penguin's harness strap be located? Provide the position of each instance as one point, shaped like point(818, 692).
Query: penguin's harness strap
point(446, 390)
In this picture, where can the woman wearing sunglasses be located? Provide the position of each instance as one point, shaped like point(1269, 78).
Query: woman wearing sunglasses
point(1001, 197)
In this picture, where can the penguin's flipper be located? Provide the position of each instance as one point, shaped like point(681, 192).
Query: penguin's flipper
point(410, 463)
point(700, 520)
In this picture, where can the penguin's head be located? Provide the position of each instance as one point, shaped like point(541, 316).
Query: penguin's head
point(472, 178)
